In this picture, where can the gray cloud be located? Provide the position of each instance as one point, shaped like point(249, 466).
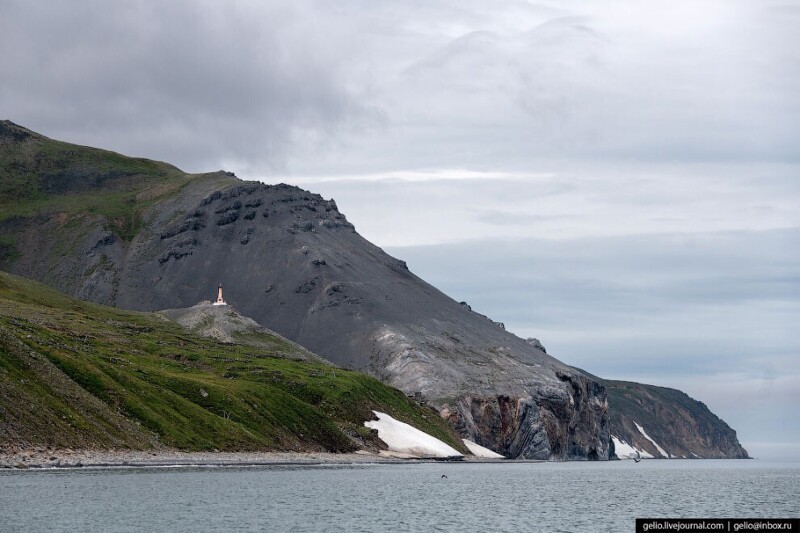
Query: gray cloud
point(201, 84)
point(319, 87)
point(567, 201)
point(669, 82)
point(689, 290)
point(503, 218)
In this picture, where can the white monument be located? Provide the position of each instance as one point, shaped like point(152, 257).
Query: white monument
point(220, 301)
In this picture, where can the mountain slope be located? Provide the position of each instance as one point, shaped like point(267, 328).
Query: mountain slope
point(292, 262)
point(74, 374)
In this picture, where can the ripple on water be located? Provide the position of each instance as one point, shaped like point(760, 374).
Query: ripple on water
point(398, 497)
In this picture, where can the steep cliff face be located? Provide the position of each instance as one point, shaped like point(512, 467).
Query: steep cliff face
point(668, 423)
point(553, 423)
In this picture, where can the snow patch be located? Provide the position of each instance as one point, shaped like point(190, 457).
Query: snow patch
point(386, 336)
point(408, 440)
point(659, 448)
point(626, 451)
point(479, 451)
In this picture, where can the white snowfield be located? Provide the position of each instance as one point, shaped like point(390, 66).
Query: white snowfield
point(479, 451)
point(408, 440)
point(626, 451)
point(659, 448)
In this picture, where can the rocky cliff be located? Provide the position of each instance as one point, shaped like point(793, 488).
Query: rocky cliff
point(145, 236)
point(666, 422)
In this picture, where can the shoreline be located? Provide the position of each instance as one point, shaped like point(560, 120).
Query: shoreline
point(42, 459)
point(165, 458)
point(69, 459)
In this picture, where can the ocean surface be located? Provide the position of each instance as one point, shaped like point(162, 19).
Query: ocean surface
point(479, 497)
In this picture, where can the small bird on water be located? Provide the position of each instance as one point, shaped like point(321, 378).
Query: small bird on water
point(444, 476)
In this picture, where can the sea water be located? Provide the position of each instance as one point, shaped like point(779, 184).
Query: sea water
point(505, 496)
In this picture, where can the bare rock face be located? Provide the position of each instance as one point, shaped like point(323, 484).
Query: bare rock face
point(535, 343)
point(550, 426)
point(554, 423)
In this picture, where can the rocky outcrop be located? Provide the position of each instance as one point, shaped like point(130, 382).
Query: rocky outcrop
point(551, 425)
point(535, 343)
point(225, 324)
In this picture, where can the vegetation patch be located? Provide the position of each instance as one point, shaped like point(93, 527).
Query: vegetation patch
point(102, 377)
point(8, 250)
point(40, 175)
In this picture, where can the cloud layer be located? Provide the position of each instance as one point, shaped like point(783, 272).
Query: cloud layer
point(308, 87)
point(201, 84)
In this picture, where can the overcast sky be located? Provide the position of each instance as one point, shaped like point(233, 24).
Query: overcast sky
point(619, 179)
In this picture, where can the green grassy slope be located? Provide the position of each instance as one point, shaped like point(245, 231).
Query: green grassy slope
point(39, 175)
point(74, 374)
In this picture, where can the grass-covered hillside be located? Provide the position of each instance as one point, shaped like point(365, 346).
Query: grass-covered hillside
point(79, 375)
point(41, 175)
